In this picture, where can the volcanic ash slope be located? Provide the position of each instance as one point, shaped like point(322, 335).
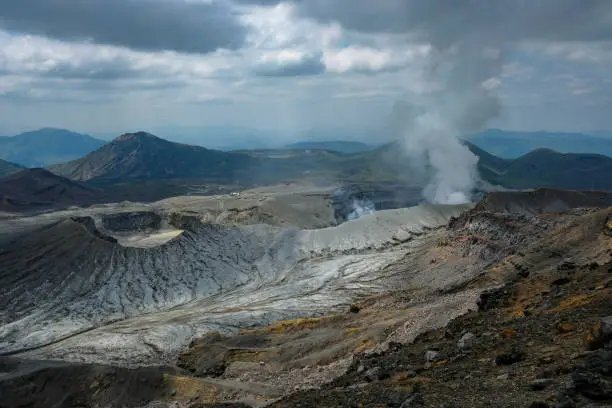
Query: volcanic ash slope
point(71, 292)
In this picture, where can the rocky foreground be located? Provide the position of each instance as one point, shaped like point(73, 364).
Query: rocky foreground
point(496, 309)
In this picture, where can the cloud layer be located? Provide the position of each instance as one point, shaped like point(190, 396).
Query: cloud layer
point(303, 65)
point(152, 25)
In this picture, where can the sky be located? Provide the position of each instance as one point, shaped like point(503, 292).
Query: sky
point(307, 67)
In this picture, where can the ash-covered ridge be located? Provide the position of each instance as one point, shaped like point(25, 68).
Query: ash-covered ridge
point(80, 289)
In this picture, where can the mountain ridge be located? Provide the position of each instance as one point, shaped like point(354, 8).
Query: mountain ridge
point(511, 145)
point(46, 146)
point(547, 168)
point(141, 155)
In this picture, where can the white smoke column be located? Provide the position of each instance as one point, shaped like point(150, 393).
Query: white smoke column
point(434, 146)
point(430, 129)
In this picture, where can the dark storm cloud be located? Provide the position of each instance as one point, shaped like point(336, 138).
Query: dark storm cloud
point(307, 66)
point(146, 25)
point(444, 21)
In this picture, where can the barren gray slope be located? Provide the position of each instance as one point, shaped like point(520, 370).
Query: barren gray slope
point(63, 280)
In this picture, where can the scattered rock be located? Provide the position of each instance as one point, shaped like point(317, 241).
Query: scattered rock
point(608, 226)
point(540, 384)
point(360, 369)
point(510, 357)
point(354, 309)
point(373, 373)
point(204, 359)
point(567, 265)
point(564, 400)
point(503, 377)
point(546, 360)
point(402, 236)
point(393, 346)
point(600, 334)
point(415, 400)
point(466, 341)
point(594, 378)
point(564, 328)
point(539, 404)
point(561, 281)
point(489, 300)
point(430, 356)
point(509, 333)
point(357, 386)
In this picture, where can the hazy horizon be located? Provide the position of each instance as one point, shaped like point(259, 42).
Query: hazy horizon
point(232, 137)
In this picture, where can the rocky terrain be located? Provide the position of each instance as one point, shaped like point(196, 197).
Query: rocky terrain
point(428, 306)
point(542, 339)
point(544, 200)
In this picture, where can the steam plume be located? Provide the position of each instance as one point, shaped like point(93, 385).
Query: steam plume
point(429, 129)
point(360, 208)
point(468, 40)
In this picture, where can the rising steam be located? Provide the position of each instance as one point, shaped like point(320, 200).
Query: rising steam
point(361, 207)
point(429, 129)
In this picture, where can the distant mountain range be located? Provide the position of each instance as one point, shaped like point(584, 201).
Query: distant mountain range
point(47, 146)
point(340, 146)
point(510, 145)
point(7, 168)
point(142, 156)
point(547, 168)
point(142, 167)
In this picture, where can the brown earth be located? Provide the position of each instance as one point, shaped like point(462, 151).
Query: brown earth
point(556, 285)
point(524, 343)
